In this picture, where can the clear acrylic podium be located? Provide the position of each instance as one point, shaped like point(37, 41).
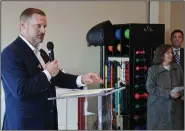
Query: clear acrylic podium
point(102, 119)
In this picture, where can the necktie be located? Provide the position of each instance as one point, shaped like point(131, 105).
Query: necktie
point(177, 58)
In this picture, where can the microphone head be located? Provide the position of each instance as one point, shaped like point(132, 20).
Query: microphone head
point(50, 45)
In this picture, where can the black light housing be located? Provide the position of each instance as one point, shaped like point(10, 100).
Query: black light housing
point(102, 34)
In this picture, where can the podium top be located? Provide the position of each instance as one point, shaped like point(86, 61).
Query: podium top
point(87, 93)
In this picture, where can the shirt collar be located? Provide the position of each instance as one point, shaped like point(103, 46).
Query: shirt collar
point(174, 49)
point(30, 45)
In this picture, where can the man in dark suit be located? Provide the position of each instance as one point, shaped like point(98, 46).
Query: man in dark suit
point(29, 79)
point(177, 38)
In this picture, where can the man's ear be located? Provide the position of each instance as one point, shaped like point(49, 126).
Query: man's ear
point(22, 24)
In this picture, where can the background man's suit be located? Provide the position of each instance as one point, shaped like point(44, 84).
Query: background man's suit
point(27, 89)
point(182, 66)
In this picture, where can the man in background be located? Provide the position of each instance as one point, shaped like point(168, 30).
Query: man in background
point(177, 38)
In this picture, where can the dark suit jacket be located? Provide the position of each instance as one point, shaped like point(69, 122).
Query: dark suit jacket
point(27, 89)
point(181, 58)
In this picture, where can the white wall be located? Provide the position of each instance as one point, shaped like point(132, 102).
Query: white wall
point(177, 16)
point(171, 13)
point(68, 23)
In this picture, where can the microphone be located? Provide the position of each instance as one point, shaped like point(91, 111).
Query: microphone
point(50, 47)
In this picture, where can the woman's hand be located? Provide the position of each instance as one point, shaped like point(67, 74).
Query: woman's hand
point(174, 95)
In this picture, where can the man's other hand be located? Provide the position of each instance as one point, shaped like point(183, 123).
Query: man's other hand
point(91, 78)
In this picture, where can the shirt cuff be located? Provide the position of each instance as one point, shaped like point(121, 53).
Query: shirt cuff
point(47, 75)
point(79, 81)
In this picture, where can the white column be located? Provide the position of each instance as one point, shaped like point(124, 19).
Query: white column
point(160, 14)
point(154, 12)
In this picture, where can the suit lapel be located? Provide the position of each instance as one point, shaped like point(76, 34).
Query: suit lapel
point(181, 55)
point(28, 54)
point(182, 58)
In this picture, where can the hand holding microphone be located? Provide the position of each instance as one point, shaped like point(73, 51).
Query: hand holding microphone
point(52, 66)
